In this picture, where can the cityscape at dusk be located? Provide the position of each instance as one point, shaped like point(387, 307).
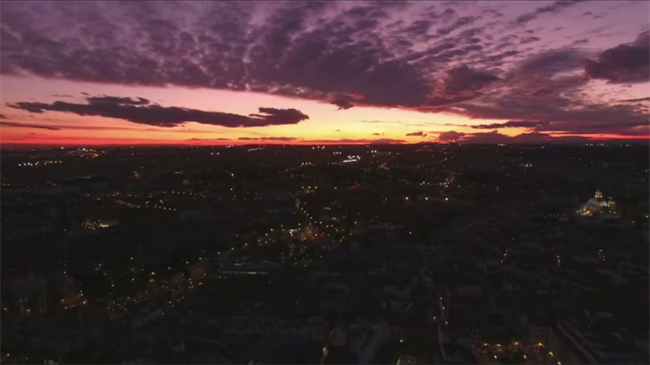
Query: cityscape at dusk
point(343, 182)
point(213, 73)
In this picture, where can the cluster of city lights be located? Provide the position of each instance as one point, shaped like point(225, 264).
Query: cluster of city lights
point(352, 159)
point(39, 163)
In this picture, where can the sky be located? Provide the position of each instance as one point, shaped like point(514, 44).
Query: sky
point(212, 73)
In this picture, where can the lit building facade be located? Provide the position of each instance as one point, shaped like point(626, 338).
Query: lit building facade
point(599, 207)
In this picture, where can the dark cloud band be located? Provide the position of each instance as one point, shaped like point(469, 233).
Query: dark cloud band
point(141, 111)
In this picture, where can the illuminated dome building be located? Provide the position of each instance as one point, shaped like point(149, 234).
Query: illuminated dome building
point(599, 207)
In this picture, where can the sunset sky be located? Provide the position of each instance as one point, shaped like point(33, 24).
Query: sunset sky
point(203, 73)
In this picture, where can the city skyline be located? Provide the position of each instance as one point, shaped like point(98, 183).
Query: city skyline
point(198, 73)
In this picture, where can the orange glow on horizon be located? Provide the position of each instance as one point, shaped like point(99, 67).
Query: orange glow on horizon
point(94, 141)
point(326, 124)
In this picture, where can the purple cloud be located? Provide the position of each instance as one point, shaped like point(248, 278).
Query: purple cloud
point(556, 7)
point(496, 137)
point(466, 79)
point(480, 61)
point(461, 84)
point(553, 62)
point(634, 100)
point(140, 111)
point(117, 100)
point(29, 125)
point(451, 136)
point(342, 104)
point(624, 63)
point(511, 124)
